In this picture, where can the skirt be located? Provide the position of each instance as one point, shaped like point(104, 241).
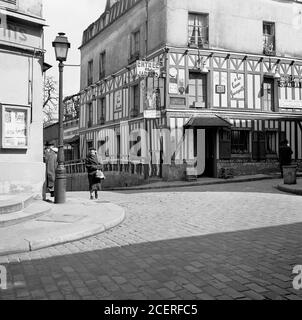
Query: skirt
point(94, 183)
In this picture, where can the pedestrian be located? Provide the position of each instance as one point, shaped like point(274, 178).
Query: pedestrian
point(50, 160)
point(93, 165)
point(285, 155)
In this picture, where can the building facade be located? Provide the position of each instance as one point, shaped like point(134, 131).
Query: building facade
point(215, 85)
point(21, 96)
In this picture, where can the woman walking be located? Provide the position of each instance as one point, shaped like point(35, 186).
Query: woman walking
point(93, 165)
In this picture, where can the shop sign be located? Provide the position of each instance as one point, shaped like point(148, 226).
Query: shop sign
point(237, 86)
point(290, 104)
point(290, 82)
point(148, 69)
point(152, 114)
point(220, 89)
point(14, 127)
point(118, 100)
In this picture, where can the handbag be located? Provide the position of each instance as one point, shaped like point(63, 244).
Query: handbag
point(100, 175)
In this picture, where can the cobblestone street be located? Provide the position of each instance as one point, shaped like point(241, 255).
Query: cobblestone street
point(235, 241)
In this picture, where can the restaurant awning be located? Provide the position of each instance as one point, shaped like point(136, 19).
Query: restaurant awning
point(74, 140)
point(208, 122)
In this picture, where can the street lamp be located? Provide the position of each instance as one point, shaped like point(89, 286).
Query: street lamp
point(61, 46)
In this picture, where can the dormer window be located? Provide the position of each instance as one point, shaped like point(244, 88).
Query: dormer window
point(198, 30)
point(269, 40)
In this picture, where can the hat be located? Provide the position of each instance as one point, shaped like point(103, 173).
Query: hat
point(48, 144)
point(92, 149)
point(56, 150)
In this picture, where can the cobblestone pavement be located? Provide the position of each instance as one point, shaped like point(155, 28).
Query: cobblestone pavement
point(237, 241)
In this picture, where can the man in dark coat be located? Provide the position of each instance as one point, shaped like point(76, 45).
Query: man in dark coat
point(285, 155)
point(50, 160)
point(93, 165)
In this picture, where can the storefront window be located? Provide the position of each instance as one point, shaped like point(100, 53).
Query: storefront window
point(271, 142)
point(197, 90)
point(14, 127)
point(240, 142)
point(268, 94)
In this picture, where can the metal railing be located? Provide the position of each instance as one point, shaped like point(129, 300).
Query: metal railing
point(120, 166)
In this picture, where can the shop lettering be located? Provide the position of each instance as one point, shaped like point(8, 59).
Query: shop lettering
point(237, 87)
point(290, 82)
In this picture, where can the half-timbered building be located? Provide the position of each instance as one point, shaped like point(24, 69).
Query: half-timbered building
point(228, 92)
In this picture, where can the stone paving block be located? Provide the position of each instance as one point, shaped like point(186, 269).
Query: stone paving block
point(256, 288)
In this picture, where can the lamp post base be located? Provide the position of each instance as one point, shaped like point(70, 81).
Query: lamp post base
point(60, 185)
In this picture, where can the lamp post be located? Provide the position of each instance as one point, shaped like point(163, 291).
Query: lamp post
point(61, 46)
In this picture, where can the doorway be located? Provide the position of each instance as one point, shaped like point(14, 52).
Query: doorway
point(210, 153)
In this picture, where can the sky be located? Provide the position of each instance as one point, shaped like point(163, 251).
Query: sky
point(71, 17)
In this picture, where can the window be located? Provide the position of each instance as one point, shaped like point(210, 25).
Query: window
point(89, 145)
point(240, 142)
point(269, 42)
point(199, 30)
point(271, 142)
point(135, 101)
point(90, 72)
point(197, 90)
point(268, 94)
point(102, 71)
point(90, 115)
point(135, 43)
point(101, 110)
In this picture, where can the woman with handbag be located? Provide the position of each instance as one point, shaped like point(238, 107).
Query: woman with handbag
point(95, 174)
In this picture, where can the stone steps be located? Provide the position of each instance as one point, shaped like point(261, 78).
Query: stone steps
point(33, 211)
point(14, 203)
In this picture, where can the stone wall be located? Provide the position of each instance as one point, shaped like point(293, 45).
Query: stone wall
point(174, 172)
point(79, 182)
point(248, 167)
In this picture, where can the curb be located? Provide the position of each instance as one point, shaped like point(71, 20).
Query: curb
point(285, 189)
point(195, 184)
point(26, 246)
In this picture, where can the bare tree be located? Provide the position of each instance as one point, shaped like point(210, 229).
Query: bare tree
point(51, 100)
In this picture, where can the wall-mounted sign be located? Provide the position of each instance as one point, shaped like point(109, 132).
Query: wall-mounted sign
point(152, 114)
point(173, 88)
point(237, 86)
point(118, 100)
point(15, 121)
point(290, 82)
point(220, 89)
point(148, 69)
point(290, 104)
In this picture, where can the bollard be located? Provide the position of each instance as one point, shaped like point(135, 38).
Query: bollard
point(290, 174)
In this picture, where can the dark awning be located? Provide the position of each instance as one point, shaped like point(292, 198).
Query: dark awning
point(74, 140)
point(208, 122)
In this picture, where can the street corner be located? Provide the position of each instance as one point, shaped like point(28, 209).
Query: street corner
point(75, 220)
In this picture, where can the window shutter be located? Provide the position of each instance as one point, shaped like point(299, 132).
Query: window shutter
point(225, 145)
point(259, 150)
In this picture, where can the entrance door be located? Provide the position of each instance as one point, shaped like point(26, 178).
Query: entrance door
point(210, 149)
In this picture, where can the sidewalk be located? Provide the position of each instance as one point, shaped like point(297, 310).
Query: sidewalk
point(75, 220)
point(199, 182)
point(293, 189)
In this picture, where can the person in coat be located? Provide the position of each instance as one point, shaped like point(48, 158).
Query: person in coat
point(50, 160)
point(285, 155)
point(93, 165)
